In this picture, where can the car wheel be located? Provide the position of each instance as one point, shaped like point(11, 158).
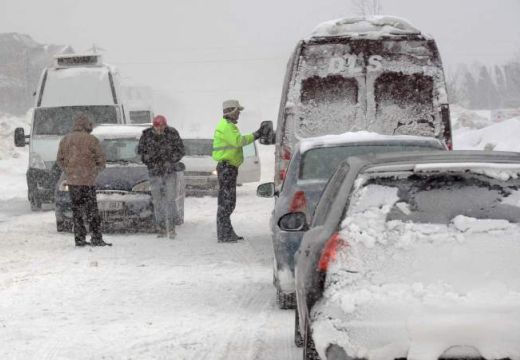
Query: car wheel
point(63, 225)
point(285, 301)
point(298, 338)
point(309, 350)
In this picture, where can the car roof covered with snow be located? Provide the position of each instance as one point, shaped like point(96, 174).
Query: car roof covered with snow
point(362, 137)
point(118, 131)
point(369, 27)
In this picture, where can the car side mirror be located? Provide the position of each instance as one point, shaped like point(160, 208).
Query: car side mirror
point(268, 136)
point(293, 222)
point(266, 190)
point(20, 137)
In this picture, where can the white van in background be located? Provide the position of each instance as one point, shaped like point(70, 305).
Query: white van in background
point(75, 84)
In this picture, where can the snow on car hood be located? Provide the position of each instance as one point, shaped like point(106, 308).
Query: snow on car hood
point(416, 290)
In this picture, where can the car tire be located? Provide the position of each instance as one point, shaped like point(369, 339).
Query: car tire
point(63, 225)
point(298, 338)
point(309, 350)
point(285, 301)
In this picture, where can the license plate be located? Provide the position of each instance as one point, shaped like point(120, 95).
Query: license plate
point(110, 205)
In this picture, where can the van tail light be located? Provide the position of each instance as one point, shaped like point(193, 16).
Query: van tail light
point(298, 202)
point(330, 250)
point(286, 153)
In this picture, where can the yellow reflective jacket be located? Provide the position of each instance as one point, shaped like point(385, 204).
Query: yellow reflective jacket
point(228, 143)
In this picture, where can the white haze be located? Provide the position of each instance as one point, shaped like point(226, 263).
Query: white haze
point(198, 52)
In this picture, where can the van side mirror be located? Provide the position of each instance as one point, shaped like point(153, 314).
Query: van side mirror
point(268, 136)
point(20, 137)
point(293, 222)
point(266, 190)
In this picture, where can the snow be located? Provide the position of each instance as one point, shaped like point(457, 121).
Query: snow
point(119, 131)
point(496, 171)
point(421, 291)
point(498, 136)
point(369, 27)
point(357, 137)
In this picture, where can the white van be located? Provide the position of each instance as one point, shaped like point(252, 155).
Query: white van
point(75, 84)
point(377, 74)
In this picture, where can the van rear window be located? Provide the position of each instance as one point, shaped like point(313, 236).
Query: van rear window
point(404, 104)
point(328, 105)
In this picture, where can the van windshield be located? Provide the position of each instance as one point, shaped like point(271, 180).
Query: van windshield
point(385, 86)
point(60, 120)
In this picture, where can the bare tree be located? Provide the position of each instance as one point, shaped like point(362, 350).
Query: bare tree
point(367, 7)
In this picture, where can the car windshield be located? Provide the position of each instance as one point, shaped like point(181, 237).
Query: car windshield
point(60, 120)
point(439, 199)
point(140, 117)
point(198, 147)
point(121, 150)
point(320, 163)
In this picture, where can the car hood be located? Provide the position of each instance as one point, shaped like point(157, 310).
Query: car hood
point(121, 177)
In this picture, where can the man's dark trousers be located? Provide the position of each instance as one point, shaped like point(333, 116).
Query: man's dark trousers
point(84, 203)
point(227, 198)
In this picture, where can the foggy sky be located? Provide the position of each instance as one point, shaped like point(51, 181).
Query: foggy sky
point(200, 52)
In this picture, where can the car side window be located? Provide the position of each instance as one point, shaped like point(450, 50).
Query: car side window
point(329, 194)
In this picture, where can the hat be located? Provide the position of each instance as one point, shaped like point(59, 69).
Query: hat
point(232, 104)
point(159, 120)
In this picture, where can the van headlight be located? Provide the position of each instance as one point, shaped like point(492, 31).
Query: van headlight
point(36, 162)
point(142, 187)
point(63, 186)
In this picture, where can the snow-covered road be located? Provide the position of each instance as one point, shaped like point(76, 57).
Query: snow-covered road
point(144, 298)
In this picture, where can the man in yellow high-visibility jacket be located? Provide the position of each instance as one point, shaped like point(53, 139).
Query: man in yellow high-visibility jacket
point(227, 151)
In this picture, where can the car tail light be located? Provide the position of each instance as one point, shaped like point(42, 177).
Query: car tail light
point(330, 250)
point(286, 153)
point(282, 174)
point(449, 144)
point(299, 202)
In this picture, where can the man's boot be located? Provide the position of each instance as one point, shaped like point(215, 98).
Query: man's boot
point(99, 242)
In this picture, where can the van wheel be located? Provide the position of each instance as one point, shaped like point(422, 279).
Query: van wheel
point(36, 203)
point(298, 338)
point(285, 301)
point(309, 350)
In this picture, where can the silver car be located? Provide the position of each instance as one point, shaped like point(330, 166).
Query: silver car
point(308, 172)
point(201, 174)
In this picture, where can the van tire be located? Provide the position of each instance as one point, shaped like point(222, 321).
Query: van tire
point(285, 301)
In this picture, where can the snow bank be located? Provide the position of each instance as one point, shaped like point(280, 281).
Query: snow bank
point(419, 291)
point(501, 136)
point(368, 27)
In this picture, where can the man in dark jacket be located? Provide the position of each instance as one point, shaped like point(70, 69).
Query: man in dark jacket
point(81, 157)
point(161, 149)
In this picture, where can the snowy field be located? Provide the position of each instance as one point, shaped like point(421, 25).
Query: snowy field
point(149, 298)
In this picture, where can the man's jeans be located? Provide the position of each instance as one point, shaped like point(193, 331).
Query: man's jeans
point(163, 190)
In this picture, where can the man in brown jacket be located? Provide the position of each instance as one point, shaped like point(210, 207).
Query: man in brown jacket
point(81, 158)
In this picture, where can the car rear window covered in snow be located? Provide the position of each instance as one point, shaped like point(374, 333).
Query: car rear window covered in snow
point(320, 163)
point(439, 199)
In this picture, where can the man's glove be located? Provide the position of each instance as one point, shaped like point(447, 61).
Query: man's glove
point(261, 131)
point(258, 134)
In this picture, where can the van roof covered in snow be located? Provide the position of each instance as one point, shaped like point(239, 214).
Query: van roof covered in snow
point(370, 27)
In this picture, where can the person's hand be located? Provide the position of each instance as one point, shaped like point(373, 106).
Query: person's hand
point(258, 133)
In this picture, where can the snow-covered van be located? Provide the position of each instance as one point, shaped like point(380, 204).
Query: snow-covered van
point(378, 74)
point(75, 84)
